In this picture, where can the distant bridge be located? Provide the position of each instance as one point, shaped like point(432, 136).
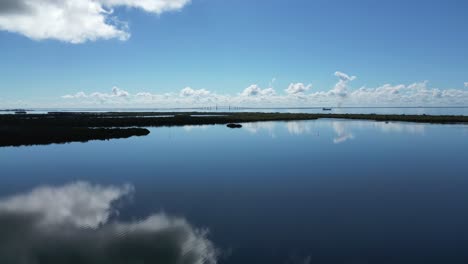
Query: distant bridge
point(222, 107)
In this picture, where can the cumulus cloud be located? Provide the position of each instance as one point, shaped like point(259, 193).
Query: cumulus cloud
point(413, 94)
point(255, 90)
point(116, 91)
point(466, 84)
point(74, 21)
point(58, 215)
point(298, 88)
point(187, 92)
point(341, 87)
point(296, 94)
point(78, 95)
point(116, 94)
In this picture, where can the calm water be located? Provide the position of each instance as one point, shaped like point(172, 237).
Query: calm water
point(326, 191)
point(335, 110)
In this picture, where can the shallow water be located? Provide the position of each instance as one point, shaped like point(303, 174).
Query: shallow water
point(323, 191)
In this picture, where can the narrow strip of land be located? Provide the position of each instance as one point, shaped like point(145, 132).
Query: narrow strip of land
point(148, 119)
point(62, 127)
point(27, 136)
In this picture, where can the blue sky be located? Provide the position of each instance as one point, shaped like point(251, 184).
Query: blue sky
point(221, 48)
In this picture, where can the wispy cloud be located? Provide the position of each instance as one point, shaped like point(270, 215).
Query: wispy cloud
point(75, 21)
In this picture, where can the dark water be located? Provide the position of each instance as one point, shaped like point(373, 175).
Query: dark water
point(325, 191)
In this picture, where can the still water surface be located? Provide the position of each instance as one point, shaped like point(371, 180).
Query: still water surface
point(325, 191)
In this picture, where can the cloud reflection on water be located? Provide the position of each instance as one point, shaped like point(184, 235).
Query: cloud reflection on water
point(72, 224)
point(342, 133)
point(298, 127)
point(254, 128)
point(190, 128)
point(344, 130)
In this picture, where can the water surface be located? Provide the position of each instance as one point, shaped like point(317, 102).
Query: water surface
point(323, 191)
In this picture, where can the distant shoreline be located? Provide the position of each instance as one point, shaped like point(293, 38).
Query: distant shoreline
point(189, 109)
point(149, 119)
point(64, 127)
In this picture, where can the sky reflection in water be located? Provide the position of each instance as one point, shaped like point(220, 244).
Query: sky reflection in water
point(325, 191)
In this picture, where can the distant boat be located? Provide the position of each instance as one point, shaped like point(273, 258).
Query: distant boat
point(326, 109)
point(20, 112)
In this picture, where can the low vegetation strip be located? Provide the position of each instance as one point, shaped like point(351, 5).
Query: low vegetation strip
point(429, 119)
point(25, 136)
point(135, 120)
point(130, 119)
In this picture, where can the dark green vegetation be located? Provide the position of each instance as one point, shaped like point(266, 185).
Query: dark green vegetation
point(139, 119)
point(23, 136)
point(234, 125)
point(61, 127)
point(429, 119)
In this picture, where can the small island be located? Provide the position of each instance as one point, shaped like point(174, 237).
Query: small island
point(234, 125)
point(64, 127)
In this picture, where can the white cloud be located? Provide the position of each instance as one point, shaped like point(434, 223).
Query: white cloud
point(255, 90)
point(116, 91)
point(75, 96)
point(75, 21)
point(188, 92)
point(341, 87)
point(298, 88)
point(296, 94)
point(116, 95)
point(466, 84)
point(153, 6)
point(75, 221)
point(344, 76)
point(414, 94)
